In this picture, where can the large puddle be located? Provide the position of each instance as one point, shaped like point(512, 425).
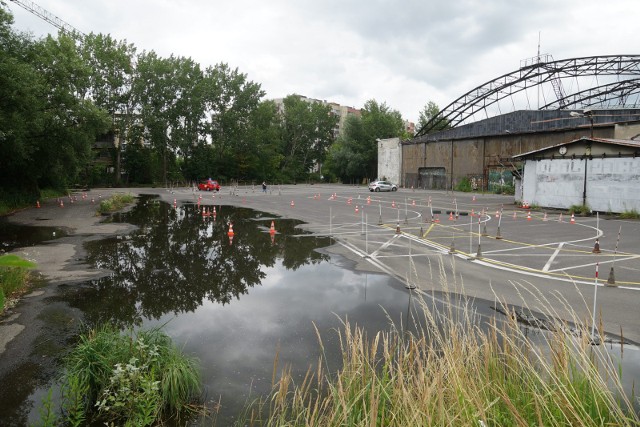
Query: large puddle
point(236, 305)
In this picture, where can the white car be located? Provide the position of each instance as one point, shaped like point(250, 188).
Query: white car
point(382, 186)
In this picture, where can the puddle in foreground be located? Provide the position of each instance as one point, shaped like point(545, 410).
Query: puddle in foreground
point(233, 305)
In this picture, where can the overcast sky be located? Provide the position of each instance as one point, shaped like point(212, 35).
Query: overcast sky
point(404, 53)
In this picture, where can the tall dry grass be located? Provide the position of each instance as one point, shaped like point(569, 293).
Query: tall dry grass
point(455, 367)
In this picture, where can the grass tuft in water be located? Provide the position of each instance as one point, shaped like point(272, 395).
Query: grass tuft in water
point(115, 203)
point(128, 379)
point(14, 276)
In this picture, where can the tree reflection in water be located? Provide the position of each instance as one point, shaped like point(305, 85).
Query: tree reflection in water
point(177, 258)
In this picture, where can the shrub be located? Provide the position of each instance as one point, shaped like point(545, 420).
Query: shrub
point(134, 379)
point(1, 300)
point(464, 185)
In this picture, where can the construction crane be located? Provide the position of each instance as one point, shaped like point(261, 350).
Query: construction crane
point(48, 16)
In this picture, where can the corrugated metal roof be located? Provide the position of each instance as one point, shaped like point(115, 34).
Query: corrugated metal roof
point(608, 141)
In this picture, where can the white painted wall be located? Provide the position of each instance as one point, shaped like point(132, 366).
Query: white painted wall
point(612, 183)
point(389, 159)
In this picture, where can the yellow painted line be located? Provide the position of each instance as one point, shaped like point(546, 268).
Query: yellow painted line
point(428, 230)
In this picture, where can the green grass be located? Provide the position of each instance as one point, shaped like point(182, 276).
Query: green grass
point(632, 214)
point(115, 203)
point(452, 372)
point(126, 379)
point(10, 202)
point(14, 276)
point(580, 210)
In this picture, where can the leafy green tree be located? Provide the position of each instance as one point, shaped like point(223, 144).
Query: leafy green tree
point(71, 120)
point(229, 99)
point(168, 91)
point(430, 111)
point(355, 155)
point(262, 155)
point(21, 109)
point(307, 132)
point(112, 65)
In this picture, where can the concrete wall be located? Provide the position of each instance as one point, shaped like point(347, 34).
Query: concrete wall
point(627, 131)
point(390, 159)
point(611, 183)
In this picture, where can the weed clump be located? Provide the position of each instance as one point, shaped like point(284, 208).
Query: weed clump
point(14, 276)
point(128, 379)
point(114, 203)
point(454, 370)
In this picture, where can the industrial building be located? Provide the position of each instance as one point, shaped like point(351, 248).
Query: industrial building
point(492, 152)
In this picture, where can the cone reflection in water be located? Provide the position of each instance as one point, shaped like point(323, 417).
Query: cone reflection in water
point(230, 233)
point(272, 229)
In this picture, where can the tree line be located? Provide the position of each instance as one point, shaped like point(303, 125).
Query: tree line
point(171, 120)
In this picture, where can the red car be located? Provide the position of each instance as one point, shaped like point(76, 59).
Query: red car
point(209, 185)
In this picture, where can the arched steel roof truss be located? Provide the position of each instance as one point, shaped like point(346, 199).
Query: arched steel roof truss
point(546, 72)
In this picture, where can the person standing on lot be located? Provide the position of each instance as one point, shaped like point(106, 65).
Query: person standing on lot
point(264, 187)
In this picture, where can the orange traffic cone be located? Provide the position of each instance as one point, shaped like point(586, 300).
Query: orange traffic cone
point(357, 209)
point(38, 204)
point(450, 215)
point(292, 204)
point(413, 203)
point(497, 214)
point(437, 218)
point(393, 204)
point(529, 216)
point(369, 200)
point(473, 199)
point(573, 219)
point(272, 230)
point(349, 200)
point(230, 233)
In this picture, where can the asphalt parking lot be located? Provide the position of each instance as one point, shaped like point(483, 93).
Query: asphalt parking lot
point(538, 258)
point(543, 262)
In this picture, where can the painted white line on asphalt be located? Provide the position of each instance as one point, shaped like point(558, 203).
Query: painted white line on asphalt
point(552, 257)
point(592, 264)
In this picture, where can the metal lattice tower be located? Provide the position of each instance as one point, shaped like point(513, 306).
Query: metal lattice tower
point(48, 16)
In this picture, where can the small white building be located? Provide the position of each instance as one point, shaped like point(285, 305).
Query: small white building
point(389, 159)
point(603, 174)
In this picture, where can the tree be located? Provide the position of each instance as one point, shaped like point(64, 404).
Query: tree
point(355, 154)
point(307, 132)
point(430, 111)
point(230, 100)
point(169, 93)
point(111, 79)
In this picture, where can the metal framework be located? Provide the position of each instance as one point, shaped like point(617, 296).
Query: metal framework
point(47, 16)
point(542, 71)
